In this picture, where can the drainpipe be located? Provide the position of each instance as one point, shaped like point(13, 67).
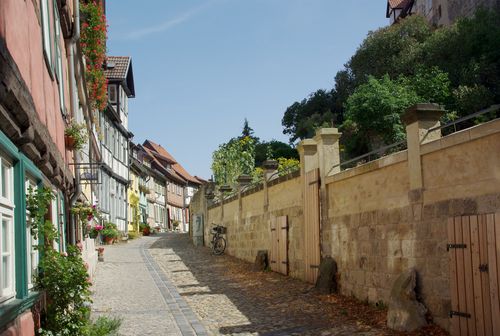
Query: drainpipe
point(71, 46)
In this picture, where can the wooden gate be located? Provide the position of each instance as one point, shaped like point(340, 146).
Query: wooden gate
point(474, 255)
point(311, 218)
point(279, 245)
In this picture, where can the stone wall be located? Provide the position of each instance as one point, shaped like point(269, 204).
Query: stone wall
point(377, 227)
point(248, 220)
point(382, 217)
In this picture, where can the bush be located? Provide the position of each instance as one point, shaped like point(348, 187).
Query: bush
point(64, 279)
point(133, 235)
point(110, 231)
point(104, 326)
point(142, 226)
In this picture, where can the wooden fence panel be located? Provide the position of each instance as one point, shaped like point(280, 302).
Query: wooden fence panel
point(478, 297)
point(485, 283)
point(493, 272)
point(469, 287)
point(474, 256)
point(274, 255)
point(454, 323)
point(278, 258)
point(282, 226)
point(312, 223)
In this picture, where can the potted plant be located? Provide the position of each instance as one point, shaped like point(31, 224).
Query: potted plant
point(145, 229)
point(75, 136)
point(94, 232)
point(110, 233)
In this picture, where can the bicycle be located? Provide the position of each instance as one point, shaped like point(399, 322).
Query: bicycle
point(218, 243)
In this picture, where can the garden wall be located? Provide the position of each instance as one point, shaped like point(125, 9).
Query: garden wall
point(382, 217)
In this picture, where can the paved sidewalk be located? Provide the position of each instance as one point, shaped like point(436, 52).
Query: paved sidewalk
point(129, 284)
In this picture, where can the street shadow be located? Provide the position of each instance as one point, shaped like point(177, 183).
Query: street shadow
point(271, 303)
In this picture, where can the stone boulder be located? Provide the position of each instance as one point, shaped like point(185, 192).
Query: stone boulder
point(261, 261)
point(405, 312)
point(327, 278)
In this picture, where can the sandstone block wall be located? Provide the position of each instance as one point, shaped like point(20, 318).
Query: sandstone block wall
point(377, 227)
point(248, 221)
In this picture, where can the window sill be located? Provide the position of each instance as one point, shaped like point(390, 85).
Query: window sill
point(13, 308)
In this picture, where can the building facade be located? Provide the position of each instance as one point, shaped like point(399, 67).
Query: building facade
point(137, 201)
point(115, 142)
point(42, 91)
point(437, 12)
point(181, 186)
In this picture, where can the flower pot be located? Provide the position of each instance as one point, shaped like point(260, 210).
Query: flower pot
point(69, 141)
point(109, 240)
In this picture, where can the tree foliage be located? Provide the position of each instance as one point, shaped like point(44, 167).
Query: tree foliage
point(245, 155)
point(457, 66)
point(373, 111)
point(273, 150)
point(302, 118)
point(232, 159)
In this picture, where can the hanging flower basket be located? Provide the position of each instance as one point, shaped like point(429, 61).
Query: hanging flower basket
point(69, 141)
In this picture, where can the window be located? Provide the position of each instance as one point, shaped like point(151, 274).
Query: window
point(112, 93)
point(57, 49)
point(47, 41)
point(31, 242)
point(7, 269)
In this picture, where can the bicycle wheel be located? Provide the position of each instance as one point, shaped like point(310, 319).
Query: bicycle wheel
point(219, 246)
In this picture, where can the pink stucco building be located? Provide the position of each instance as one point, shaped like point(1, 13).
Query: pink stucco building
point(42, 89)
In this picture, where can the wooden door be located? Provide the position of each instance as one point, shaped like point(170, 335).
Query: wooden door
point(474, 256)
point(312, 223)
point(279, 245)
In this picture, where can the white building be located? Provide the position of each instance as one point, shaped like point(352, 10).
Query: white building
point(115, 141)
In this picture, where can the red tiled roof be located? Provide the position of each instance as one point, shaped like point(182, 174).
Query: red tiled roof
point(398, 4)
point(175, 165)
point(170, 172)
point(121, 64)
point(201, 180)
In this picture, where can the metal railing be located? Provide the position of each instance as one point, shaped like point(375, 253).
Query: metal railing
point(371, 156)
point(493, 109)
point(474, 118)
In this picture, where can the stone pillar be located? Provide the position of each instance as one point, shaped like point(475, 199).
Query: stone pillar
point(308, 152)
point(328, 156)
point(209, 195)
point(222, 192)
point(243, 180)
point(419, 119)
point(328, 151)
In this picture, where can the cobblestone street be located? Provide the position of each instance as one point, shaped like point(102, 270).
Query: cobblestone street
point(129, 285)
point(164, 286)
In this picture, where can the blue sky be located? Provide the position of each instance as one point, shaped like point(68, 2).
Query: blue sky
point(202, 66)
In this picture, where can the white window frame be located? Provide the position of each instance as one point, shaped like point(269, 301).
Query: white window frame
point(58, 56)
point(46, 34)
point(8, 287)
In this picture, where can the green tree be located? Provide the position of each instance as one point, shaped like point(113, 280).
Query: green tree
point(373, 112)
point(302, 118)
point(273, 150)
point(247, 130)
point(232, 159)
